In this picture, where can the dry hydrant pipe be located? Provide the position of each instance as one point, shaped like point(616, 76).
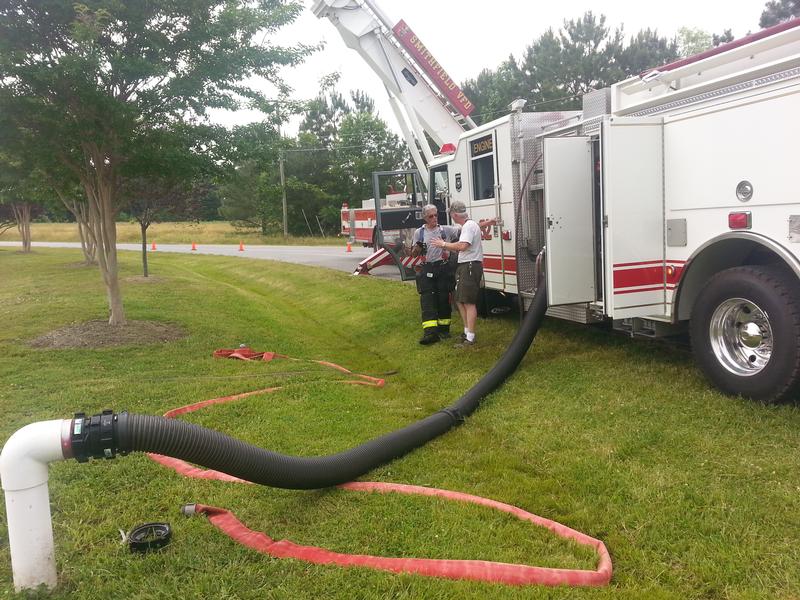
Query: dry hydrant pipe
point(23, 471)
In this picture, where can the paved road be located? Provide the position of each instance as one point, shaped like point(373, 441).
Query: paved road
point(331, 257)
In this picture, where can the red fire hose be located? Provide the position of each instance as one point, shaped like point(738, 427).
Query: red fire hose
point(497, 572)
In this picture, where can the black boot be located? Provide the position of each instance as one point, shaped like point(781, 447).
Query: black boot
point(429, 337)
point(444, 331)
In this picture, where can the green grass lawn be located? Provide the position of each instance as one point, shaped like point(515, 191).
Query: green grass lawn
point(696, 495)
point(206, 232)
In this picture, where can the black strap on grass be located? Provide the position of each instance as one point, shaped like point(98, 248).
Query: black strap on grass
point(149, 536)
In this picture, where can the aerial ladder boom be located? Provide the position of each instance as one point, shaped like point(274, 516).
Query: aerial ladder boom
point(423, 97)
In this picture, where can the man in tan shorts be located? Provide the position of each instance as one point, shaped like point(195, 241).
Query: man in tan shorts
point(469, 272)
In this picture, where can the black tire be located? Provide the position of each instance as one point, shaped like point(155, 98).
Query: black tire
point(745, 330)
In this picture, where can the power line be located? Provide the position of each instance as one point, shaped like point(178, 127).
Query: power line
point(482, 115)
point(324, 149)
point(543, 102)
point(555, 100)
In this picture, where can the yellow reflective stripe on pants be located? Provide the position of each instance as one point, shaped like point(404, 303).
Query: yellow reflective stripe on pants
point(428, 324)
point(443, 321)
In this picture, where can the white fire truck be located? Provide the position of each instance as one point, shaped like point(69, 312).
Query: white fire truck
point(668, 203)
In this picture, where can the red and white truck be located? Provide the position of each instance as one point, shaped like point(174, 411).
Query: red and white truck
point(670, 202)
point(358, 224)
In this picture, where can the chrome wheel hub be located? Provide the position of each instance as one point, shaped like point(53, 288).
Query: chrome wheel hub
point(741, 336)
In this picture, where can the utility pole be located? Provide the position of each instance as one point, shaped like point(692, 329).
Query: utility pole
point(283, 189)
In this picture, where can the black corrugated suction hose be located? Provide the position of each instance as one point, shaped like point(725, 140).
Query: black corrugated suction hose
point(220, 452)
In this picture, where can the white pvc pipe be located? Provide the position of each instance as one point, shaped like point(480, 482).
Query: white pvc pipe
point(23, 472)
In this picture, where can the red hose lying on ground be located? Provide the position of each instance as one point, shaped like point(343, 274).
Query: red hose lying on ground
point(480, 570)
point(245, 353)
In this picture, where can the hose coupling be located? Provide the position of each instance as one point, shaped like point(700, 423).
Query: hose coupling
point(95, 436)
point(454, 414)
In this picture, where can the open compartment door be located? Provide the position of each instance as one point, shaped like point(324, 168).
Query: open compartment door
point(569, 220)
point(633, 178)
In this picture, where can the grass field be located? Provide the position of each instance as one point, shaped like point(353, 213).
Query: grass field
point(696, 495)
point(206, 232)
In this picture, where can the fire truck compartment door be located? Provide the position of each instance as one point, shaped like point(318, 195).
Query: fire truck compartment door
point(569, 230)
point(633, 192)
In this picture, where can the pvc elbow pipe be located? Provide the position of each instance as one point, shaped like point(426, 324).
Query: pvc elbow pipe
point(23, 473)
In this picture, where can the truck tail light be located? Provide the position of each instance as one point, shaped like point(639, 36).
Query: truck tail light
point(740, 220)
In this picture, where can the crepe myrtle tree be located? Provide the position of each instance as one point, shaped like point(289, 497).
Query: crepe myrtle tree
point(22, 197)
point(18, 210)
point(91, 79)
point(154, 199)
point(62, 185)
point(167, 173)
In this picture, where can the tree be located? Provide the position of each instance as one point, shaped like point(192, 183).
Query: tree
point(7, 220)
point(241, 190)
point(74, 200)
point(20, 192)
point(252, 196)
point(151, 199)
point(324, 115)
point(493, 90)
point(778, 11)
point(647, 50)
point(560, 66)
point(18, 213)
point(722, 38)
point(580, 58)
point(693, 41)
point(161, 174)
point(208, 201)
point(30, 149)
point(309, 207)
point(244, 199)
point(340, 143)
point(362, 102)
point(366, 146)
point(310, 159)
point(93, 79)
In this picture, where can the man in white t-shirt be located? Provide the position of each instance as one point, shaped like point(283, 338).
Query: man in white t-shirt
point(469, 272)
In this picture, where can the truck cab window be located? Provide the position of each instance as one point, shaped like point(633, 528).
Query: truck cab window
point(482, 157)
point(441, 187)
point(440, 191)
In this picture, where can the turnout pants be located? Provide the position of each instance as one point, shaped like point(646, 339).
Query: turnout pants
point(435, 282)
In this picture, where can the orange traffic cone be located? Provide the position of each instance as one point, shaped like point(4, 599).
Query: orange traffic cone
point(241, 247)
point(153, 247)
point(349, 247)
point(194, 246)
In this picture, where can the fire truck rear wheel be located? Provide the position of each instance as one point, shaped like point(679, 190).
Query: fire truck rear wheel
point(745, 332)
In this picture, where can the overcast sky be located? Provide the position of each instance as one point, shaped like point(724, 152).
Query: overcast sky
point(466, 36)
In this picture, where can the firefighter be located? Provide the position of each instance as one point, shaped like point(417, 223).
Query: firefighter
point(435, 276)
